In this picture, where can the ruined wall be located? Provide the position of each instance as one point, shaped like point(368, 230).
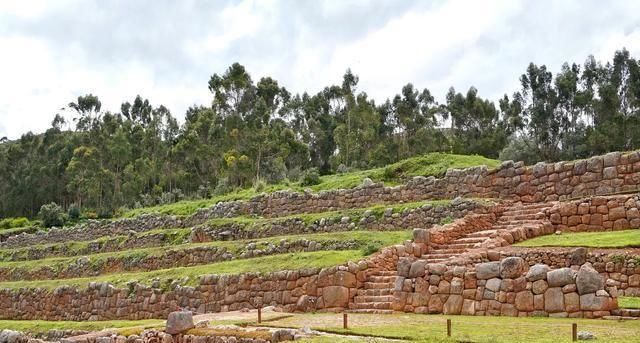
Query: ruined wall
point(598, 213)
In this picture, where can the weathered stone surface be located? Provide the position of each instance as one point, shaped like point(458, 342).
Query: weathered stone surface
point(539, 287)
point(554, 300)
point(588, 280)
point(591, 302)
point(537, 272)
point(512, 267)
point(453, 305)
point(335, 296)
point(493, 284)
point(524, 301)
point(417, 269)
point(179, 321)
point(560, 277)
point(487, 270)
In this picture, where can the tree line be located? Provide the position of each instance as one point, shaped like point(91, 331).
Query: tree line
point(254, 133)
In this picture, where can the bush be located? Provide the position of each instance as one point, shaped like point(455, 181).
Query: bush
point(10, 223)
point(51, 215)
point(371, 248)
point(259, 186)
point(310, 177)
point(74, 212)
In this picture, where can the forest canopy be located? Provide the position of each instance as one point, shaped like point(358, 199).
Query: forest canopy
point(255, 131)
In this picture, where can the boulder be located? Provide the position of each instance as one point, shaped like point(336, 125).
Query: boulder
point(487, 270)
point(560, 277)
point(179, 321)
point(493, 284)
point(512, 267)
point(421, 236)
point(591, 302)
point(588, 280)
point(437, 268)
point(578, 256)
point(537, 272)
point(539, 287)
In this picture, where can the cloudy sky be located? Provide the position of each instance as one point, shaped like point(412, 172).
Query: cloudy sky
point(51, 51)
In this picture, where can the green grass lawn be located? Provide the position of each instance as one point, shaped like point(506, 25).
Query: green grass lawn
point(629, 302)
point(609, 239)
point(432, 328)
point(190, 275)
point(432, 164)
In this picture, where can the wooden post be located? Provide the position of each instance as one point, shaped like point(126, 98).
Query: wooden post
point(344, 321)
point(259, 315)
point(448, 327)
point(574, 332)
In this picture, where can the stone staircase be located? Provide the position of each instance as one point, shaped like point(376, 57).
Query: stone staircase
point(528, 217)
point(376, 295)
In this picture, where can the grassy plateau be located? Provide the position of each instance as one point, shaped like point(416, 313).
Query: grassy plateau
point(609, 239)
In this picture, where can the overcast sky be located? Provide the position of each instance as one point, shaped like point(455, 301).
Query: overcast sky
point(53, 51)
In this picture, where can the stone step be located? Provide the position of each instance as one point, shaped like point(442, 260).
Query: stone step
point(447, 251)
point(384, 273)
point(435, 260)
point(523, 211)
point(455, 245)
point(626, 312)
point(379, 285)
point(538, 216)
point(482, 234)
point(372, 298)
point(384, 305)
point(469, 240)
point(516, 226)
point(520, 222)
point(375, 292)
point(373, 278)
point(371, 311)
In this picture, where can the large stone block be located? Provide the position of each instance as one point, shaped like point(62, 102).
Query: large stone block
point(588, 280)
point(524, 301)
point(560, 277)
point(453, 305)
point(554, 300)
point(512, 267)
point(335, 296)
point(417, 269)
point(591, 302)
point(487, 270)
point(179, 321)
point(537, 272)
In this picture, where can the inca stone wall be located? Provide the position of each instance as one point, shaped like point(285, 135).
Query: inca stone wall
point(508, 287)
point(598, 213)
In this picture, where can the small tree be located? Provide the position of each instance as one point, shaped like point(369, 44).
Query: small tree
point(74, 212)
point(51, 215)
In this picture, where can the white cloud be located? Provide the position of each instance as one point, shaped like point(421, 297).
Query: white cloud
point(168, 54)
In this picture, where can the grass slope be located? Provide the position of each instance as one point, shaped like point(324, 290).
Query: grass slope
point(433, 164)
point(610, 239)
point(379, 238)
point(190, 275)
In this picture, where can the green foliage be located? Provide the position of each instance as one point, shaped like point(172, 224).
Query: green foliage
point(74, 212)
point(371, 248)
point(10, 223)
point(310, 178)
point(51, 215)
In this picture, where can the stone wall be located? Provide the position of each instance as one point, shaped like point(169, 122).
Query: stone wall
point(508, 287)
point(86, 266)
point(329, 289)
point(611, 173)
point(390, 220)
point(620, 269)
point(598, 213)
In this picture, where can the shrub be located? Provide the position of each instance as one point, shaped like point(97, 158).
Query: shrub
point(342, 169)
point(222, 187)
point(310, 177)
point(74, 212)
point(51, 215)
point(259, 186)
point(371, 248)
point(9, 223)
